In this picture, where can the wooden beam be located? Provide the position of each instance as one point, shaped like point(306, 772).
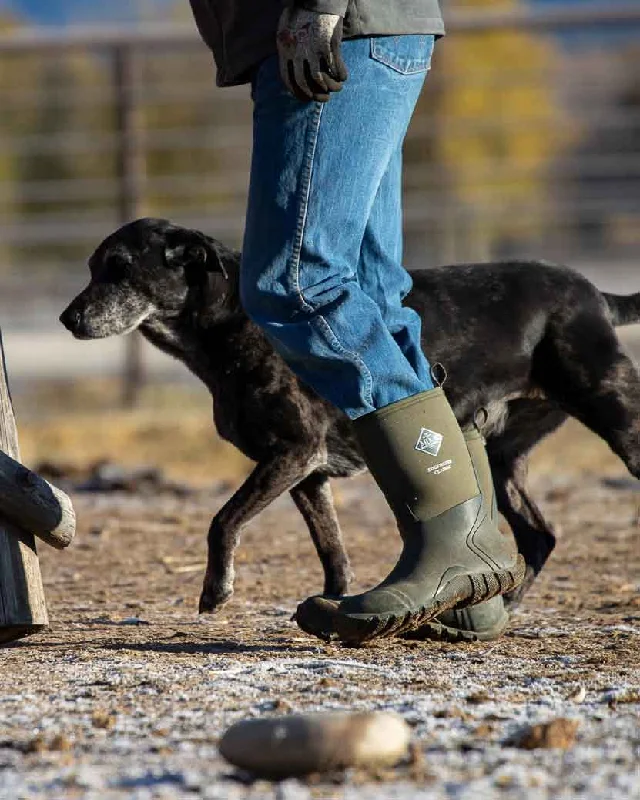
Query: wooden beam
point(35, 505)
point(22, 605)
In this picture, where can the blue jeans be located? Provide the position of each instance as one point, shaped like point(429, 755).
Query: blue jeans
point(321, 265)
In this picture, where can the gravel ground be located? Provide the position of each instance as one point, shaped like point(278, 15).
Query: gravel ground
point(128, 692)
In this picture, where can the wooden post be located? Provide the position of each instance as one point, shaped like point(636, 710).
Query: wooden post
point(131, 170)
point(22, 604)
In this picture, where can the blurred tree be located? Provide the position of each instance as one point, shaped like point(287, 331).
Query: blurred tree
point(485, 134)
point(607, 194)
point(59, 170)
point(14, 121)
point(183, 111)
point(61, 160)
point(494, 128)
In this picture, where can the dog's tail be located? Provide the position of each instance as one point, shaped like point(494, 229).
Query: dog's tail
point(624, 309)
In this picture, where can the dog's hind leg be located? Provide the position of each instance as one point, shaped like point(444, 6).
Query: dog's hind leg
point(314, 500)
point(587, 373)
point(533, 534)
point(268, 481)
point(528, 422)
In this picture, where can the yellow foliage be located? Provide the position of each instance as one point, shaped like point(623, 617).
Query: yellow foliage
point(499, 124)
point(13, 71)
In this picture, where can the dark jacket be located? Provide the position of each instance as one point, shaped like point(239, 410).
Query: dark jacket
point(241, 33)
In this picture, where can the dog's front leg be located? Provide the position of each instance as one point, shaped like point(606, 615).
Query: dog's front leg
point(268, 481)
point(314, 500)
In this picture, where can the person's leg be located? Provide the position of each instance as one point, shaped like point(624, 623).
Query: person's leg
point(315, 176)
point(316, 171)
point(383, 278)
point(381, 274)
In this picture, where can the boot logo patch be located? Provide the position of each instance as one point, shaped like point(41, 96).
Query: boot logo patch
point(429, 442)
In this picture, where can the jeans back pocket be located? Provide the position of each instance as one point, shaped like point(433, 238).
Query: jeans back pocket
point(407, 53)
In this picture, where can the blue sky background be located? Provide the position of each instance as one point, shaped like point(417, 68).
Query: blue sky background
point(68, 12)
point(61, 12)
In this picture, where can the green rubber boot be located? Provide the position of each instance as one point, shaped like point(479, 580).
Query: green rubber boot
point(482, 622)
point(453, 554)
point(488, 620)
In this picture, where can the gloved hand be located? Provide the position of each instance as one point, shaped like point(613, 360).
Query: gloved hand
point(311, 64)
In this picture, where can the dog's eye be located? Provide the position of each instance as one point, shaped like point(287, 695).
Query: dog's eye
point(198, 254)
point(116, 268)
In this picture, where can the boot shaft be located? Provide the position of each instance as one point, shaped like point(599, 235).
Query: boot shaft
point(418, 456)
point(477, 450)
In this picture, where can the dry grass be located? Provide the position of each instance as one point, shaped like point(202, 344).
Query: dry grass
point(80, 424)
point(171, 429)
point(574, 449)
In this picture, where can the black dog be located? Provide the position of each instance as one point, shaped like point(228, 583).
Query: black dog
point(532, 343)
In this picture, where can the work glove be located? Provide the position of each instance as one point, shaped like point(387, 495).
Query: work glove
point(311, 64)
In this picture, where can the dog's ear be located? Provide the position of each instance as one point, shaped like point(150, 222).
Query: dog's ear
point(193, 251)
point(209, 269)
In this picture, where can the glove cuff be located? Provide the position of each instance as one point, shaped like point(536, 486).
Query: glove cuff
point(336, 7)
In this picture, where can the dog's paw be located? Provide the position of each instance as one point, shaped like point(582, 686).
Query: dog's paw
point(213, 599)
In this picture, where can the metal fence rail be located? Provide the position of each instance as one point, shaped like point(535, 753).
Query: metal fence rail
point(526, 142)
point(48, 213)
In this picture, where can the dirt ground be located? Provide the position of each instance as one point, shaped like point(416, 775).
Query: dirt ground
point(128, 692)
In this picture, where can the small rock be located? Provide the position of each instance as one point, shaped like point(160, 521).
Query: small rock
point(60, 743)
point(103, 719)
point(559, 733)
point(36, 745)
point(300, 744)
point(483, 730)
point(481, 696)
point(326, 683)
point(577, 695)
point(452, 712)
point(417, 764)
point(626, 695)
point(282, 706)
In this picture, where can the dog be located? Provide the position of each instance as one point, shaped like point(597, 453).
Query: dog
point(531, 343)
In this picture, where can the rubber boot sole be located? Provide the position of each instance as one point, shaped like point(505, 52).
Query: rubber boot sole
point(461, 591)
point(317, 619)
point(316, 616)
point(435, 631)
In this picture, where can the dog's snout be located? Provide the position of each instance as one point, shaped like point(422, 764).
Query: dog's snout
point(71, 319)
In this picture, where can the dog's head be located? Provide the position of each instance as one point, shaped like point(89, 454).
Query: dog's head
point(150, 270)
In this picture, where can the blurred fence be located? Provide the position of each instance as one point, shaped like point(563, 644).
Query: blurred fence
point(526, 142)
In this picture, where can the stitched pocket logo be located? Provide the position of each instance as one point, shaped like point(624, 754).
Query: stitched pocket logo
point(429, 442)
